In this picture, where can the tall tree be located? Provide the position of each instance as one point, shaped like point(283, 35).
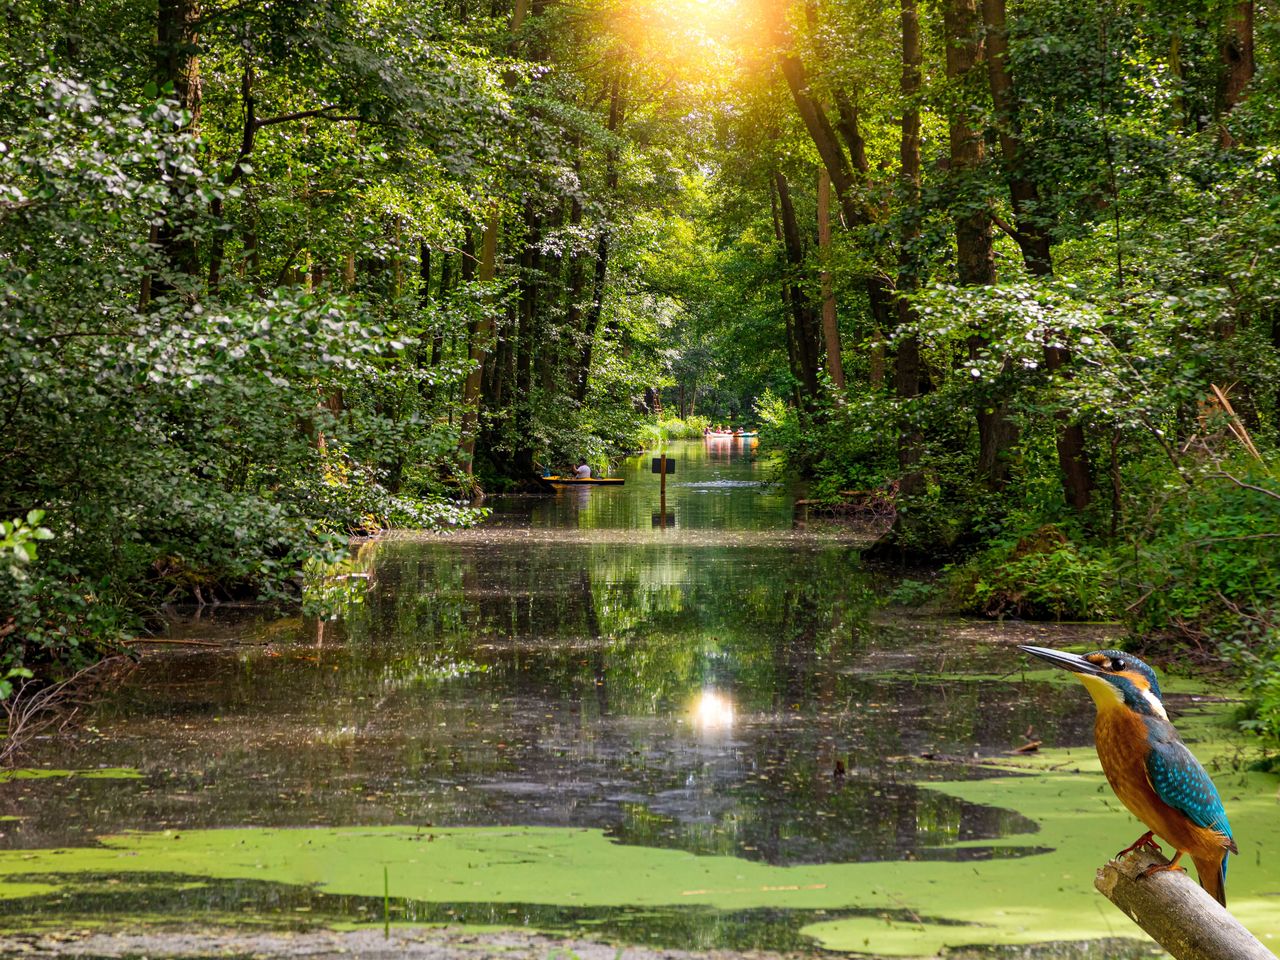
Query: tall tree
point(1237, 55)
point(591, 320)
point(1032, 235)
point(830, 326)
point(803, 317)
point(177, 74)
point(908, 372)
point(971, 211)
point(480, 345)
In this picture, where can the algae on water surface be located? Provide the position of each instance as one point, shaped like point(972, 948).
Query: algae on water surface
point(911, 908)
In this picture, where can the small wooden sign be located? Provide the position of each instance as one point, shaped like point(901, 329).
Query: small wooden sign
point(663, 521)
point(657, 466)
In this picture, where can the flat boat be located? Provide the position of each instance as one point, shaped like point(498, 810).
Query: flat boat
point(583, 481)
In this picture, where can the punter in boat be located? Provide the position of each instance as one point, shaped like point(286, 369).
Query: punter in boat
point(583, 472)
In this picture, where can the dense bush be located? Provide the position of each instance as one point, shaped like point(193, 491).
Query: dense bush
point(1041, 575)
point(175, 445)
point(690, 428)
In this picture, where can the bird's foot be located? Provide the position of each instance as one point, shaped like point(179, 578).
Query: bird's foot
point(1162, 867)
point(1144, 842)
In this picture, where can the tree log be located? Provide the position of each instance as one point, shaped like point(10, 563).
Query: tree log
point(1176, 911)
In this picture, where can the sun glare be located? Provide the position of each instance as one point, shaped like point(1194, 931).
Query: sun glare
point(697, 35)
point(713, 712)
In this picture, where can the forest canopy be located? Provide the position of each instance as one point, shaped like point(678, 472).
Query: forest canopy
point(277, 274)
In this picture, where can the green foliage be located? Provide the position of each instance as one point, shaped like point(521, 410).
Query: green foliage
point(175, 441)
point(841, 447)
point(691, 428)
point(18, 538)
point(6, 681)
point(1040, 575)
point(1259, 656)
point(1202, 572)
point(1206, 556)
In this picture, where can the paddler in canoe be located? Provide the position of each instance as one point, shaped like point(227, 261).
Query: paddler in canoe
point(581, 477)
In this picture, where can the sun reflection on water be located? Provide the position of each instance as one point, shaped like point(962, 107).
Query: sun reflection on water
point(713, 712)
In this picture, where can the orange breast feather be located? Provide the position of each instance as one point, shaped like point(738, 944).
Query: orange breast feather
point(1121, 738)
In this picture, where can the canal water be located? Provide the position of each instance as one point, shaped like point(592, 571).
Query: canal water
point(716, 682)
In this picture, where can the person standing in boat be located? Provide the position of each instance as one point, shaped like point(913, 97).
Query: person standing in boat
point(583, 472)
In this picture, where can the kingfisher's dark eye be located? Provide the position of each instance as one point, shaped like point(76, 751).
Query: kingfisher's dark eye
point(1117, 663)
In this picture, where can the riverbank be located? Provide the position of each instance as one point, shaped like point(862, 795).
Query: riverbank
point(446, 943)
point(416, 943)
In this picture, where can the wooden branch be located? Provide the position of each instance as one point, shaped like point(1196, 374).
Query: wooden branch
point(1224, 475)
point(324, 113)
point(1006, 227)
point(34, 707)
point(1176, 911)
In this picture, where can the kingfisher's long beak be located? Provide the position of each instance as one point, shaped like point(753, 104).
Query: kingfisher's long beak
point(1067, 661)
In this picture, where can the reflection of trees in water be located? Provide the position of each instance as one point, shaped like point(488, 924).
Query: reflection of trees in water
point(782, 820)
point(638, 630)
point(590, 655)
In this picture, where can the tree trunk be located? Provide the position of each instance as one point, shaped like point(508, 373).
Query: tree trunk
point(575, 283)
point(908, 379)
point(177, 69)
point(178, 63)
point(805, 322)
point(975, 260)
point(442, 289)
point(851, 130)
point(1034, 241)
point(248, 132)
point(481, 333)
point(830, 328)
point(1237, 57)
point(594, 312)
point(616, 110)
point(424, 304)
point(531, 263)
point(1024, 193)
point(855, 209)
point(793, 352)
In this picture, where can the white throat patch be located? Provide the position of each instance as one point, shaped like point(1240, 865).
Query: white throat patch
point(1156, 706)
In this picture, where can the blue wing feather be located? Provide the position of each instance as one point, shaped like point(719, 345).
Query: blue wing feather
point(1180, 781)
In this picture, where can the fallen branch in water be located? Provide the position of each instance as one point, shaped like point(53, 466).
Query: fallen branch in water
point(35, 708)
point(1176, 911)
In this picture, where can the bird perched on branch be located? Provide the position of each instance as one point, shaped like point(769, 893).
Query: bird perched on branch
point(1148, 766)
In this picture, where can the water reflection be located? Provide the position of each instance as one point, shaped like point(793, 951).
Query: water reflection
point(696, 687)
point(552, 684)
point(716, 486)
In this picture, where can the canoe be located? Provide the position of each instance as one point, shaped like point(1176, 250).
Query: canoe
point(584, 482)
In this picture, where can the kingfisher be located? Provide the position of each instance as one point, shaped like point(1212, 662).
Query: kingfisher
point(1149, 767)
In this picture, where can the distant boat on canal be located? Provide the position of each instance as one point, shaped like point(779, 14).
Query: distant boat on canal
point(559, 482)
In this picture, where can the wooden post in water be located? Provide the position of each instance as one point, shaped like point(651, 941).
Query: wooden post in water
point(662, 505)
point(1176, 911)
